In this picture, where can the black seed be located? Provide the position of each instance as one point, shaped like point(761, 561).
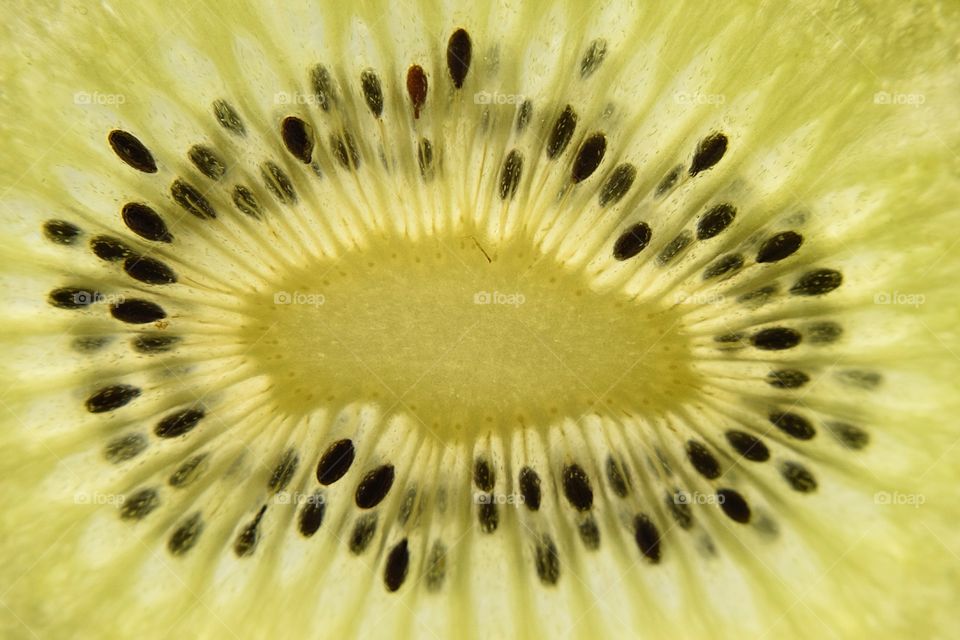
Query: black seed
point(759, 296)
point(298, 137)
point(436, 567)
point(669, 181)
point(674, 247)
point(323, 87)
point(524, 113)
point(186, 535)
point(748, 446)
point(647, 537)
point(395, 571)
point(136, 311)
point(109, 249)
point(335, 462)
point(90, 344)
point(278, 183)
point(147, 343)
point(616, 479)
point(363, 530)
point(406, 508)
point(284, 471)
point(787, 379)
point(345, 150)
point(775, 339)
point(632, 241)
point(793, 425)
point(824, 332)
point(714, 221)
point(779, 246)
point(530, 488)
point(862, 379)
point(72, 297)
point(459, 49)
point(228, 118)
point(547, 561)
point(374, 486)
point(576, 486)
point(61, 231)
point(311, 516)
point(734, 505)
point(207, 162)
point(702, 460)
point(145, 222)
point(148, 270)
point(723, 267)
point(510, 174)
point(247, 539)
point(425, 157)
point(850, 436)
point(679, 507)
point(798, 477)
point(191, 200)
point(817, 282)
point(112, 397)
point(483, 476)
point(129, 149)
point(562, 132)
point(589, 533)
point(188, 471)
point(588, 157)
point(178, 423)
point(244, 200)
point(372, 93)
point(417, 88)
point(709, 152)
point(593, 57)
point(123, 448)
point(488, 516)
point(138, 505)
point(617, 184)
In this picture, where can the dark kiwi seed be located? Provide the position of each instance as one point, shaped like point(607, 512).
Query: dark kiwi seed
point(148, 343)
point(149, 270)
point(488, 516)
point(547, 561)
point(244, 200)
point(395, 570)
point(798, 477)
point(335, 461)
point(278, 183)
point(709, 152)
point(145, 222)
point(617, 184)
point(72, 297)
point(129, 149)
point(192, 201)
point(647, 536)
point(530, 488)
point(459, 50)
point(298, 138)
point(591, 60)
point(123, 448)
point(112, 397)
point(588, 157)
point(616, 479)
point(759, 296)
point(589, 533)
point(372, 92)
point(138, 505)
point(632, 241)
point(311, 515)
point(723, 267)
point(734, 505)
point(425, 157)
point(850, 436)
point(90, 344)
point(748, 446)
point(186, 535)
point(374, 486)
point(345, 150)
point(824, 332)
point(61, 232)
point(669, 180)
point(510, 174)
point(363, 530)
point(862, 379)
point(714, 221)
point(109, 249)
point(188, 471)
point(136, 311)
point(249, 536)
point(436, 566)
point(483, 476)
point(779, 246)
point(207, 161)
point(178, 423)
point(787, 378)
point(576, 487)
point(674, 247)
point(702, 460)
point(817, 282)
point(323, 87)
point(562, 132)
point(228, 118)
point(283, 473)
point(792, 424)
point(524, 113)
point(775, 339)
point(679, 509)
point(417, 88)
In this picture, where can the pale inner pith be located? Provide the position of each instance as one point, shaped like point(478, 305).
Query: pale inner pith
point(459, 332)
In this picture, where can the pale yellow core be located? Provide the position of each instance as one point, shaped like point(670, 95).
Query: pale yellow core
point(457, 335)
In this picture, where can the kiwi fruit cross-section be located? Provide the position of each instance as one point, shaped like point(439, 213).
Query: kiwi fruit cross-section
point(479, 319)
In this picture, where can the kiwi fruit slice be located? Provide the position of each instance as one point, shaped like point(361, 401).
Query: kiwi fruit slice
point(492, 320)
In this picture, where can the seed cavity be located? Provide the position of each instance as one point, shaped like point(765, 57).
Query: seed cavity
point(820, 333)
point(632, 241)
point(374, 486)
point(140, 504)
point(436, 567)
point(178, 423)
point(588, 157)
point(417, 88)
point(576, 487)
point(109, 249)
point(284, 471)
point(488, 516)
point(188, 471)
point(129, 149)
point(148, 270)
point(758, 297)
point(734, 505)
point(137, 311)
point(792, 424)
point(61, 232)
point(425, 158)
point(524, 114)
point(647, 537)
point(798, 477)
point(459, 51)
point(150, 343)
point(715, 221)
point(72, 297)
point(363, 531)
point(207, 161)
point(779, 246)
point(123, 448)
point(510, 174)
point(335, 461)
point(278, 183)
point(817, 282)
point(669, 181)
point(530, 488)
point(787, 379)
point(674, 248)
point(372, 92)
point(861, 379)
point(247, 539)
point(617, 184)
point(145, 222)
point(589, 533)
point(246, 202)
point(228, 118)
point(775, 339)
point(323, 87)
point(562, 132)
point(186, 535)
point(709, 152)
point(591, 60)
point(345, 150)
point(395, 571)
point(483, 476)
point(311, 516)
point(547, 561)
point(748, 446)
point(678, 505)
point(112, 397)
point(191, 200)
point(615, 477)
point(850, 436)
point(723, 267)
point(90, 344)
